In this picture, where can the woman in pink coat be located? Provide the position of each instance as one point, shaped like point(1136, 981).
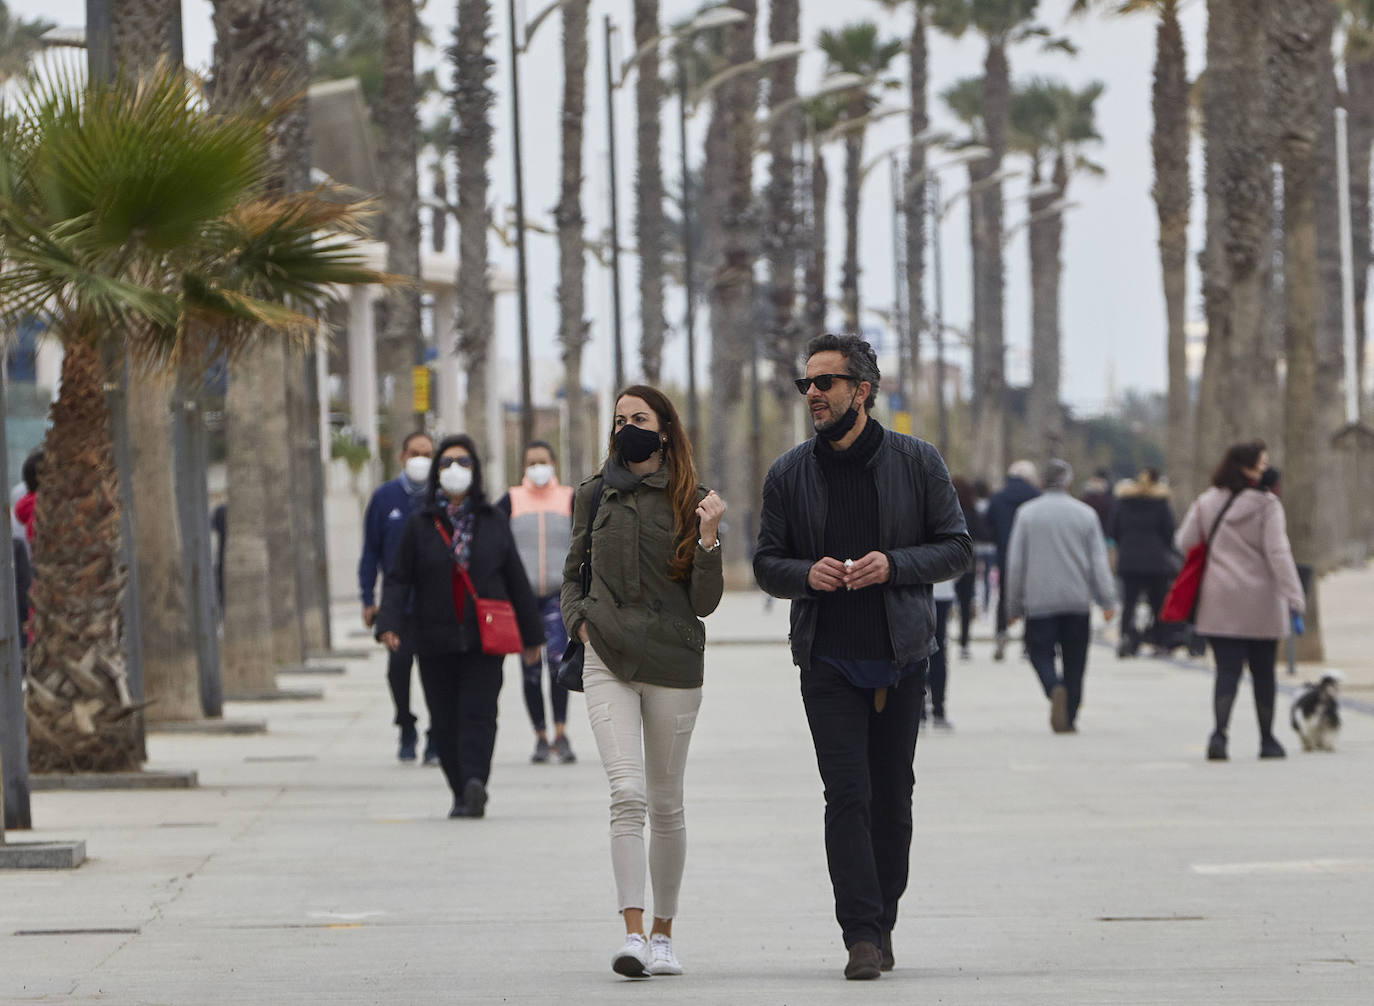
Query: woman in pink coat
point(1250, 596)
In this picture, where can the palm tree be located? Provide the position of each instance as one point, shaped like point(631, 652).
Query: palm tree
point(171, 683)
point(822, 115)
point(472, 101)
point(650, 223)
point(260, 56)
point(914, 189)
point(855, 48)
point(1051, 123)
point(572, 243)
point(781, 224)
point(399, 348)
point(132, 221)
point(1169, 144)
point(1237, 384)
point(732, 286)
point(19, 40)
point(1301, 39)
point(964, 98)
point(1358, 51)
point(1002, 23)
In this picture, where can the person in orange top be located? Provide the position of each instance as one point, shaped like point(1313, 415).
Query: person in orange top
point(540, 512)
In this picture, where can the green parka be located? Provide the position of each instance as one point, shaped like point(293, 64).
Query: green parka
point(645, 626)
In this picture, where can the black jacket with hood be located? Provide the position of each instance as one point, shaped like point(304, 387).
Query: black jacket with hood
point(1142, 526)
point(921, 529)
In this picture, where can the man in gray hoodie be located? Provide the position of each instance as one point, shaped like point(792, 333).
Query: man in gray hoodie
point(1056, 569)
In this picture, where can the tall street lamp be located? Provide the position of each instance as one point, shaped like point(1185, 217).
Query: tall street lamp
point(716, 17)
point(518, 47)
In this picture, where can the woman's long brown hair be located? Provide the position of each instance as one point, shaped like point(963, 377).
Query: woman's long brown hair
point(682, 476)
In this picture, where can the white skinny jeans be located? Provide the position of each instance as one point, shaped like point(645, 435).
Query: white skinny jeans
point(642, 732)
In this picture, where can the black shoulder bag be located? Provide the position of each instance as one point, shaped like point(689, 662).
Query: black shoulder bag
point(569, 673)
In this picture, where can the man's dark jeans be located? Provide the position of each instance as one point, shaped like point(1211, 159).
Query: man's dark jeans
point(398, 675)
point(1070, 634)
point(865, 760)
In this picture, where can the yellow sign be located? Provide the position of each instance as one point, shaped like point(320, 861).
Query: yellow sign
point(901, 422)
point(420, 379)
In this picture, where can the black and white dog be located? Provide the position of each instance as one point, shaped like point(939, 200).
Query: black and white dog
point(1316, 714)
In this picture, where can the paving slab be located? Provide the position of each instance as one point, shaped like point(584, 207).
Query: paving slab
point(1111, 866)
point(143, 779)
point(41, 855)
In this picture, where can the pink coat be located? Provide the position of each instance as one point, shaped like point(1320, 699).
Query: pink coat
point(1250, 582)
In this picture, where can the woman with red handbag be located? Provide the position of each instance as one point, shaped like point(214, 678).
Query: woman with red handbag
point(1249, 596)
point(470, 605)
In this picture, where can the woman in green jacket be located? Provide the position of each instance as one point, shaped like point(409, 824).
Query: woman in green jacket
point(655, 573)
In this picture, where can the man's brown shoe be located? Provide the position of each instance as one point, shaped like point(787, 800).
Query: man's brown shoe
point(865, 962)
point(887, 960)
point(1059, 709)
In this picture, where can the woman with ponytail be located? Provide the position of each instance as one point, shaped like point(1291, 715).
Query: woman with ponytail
point(655, 573)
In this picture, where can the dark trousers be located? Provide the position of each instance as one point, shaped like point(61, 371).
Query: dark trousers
point(1001, 597)
point(398, 664)
point(1134, 586)
point(1232, 655)
point(865, 760)
point(1069, 634)
point(462, 690)
point(939, 660)
point(556, 641)
point(963, 593)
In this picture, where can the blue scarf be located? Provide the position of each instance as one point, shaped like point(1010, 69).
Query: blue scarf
point(462, 517)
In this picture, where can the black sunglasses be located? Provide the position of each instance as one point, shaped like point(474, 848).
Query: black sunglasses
point(821, 381)
point(463, 462)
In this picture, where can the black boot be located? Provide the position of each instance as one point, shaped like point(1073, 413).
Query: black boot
point(1216, 747)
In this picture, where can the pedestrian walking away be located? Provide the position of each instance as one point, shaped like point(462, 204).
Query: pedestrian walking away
point(1142, 525)
point(391, 506)
point(1097, 493)
point(1056, 569)
point(1022, 485)
point(540, 513)
point(966, 586)
point(655, 574)
point(457, 536)
point(856, 525)
point(1250, 596)
point(944, 594)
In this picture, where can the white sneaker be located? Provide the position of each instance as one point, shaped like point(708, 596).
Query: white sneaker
point(632, 960)
point(662, 961)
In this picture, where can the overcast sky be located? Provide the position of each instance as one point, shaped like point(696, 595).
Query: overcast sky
point(1113, 308)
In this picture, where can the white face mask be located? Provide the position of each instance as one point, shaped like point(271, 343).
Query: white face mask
point(540, 475)
point(455, 479)
point(417, 469)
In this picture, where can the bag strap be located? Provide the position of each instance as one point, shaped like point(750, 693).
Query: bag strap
point(460, 575)
point(587, 551)
point(1216, 524)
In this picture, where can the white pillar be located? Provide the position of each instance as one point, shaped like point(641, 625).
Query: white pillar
point(450, 366)
point(362, 365)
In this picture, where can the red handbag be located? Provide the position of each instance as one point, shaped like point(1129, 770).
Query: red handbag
point(496, 624)
point(1180, 604)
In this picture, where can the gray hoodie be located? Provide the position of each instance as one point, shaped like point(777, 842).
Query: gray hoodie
point(1057, 559)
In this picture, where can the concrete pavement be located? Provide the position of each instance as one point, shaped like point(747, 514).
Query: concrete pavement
point(1114, 866)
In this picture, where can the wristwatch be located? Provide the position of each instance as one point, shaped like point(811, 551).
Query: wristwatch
point(705, 549)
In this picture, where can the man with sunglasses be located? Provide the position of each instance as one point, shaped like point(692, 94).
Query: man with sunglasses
point(856, 525)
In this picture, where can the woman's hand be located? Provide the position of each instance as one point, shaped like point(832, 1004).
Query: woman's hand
point(709, 511)
point(582, 633)
point(391, 641)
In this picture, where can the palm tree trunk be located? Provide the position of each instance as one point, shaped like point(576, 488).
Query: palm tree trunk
point(1235, 390)
point(1044, 416)
point(650, 223)
point(990, 434)
point(572, 249)
point(977, 345)
point(816, 268)
point(914, 208)
point(1301, 27)
point(781, 225)
point(1359, 78)
point(732, 289)
point(1169, 145)
point(79, 712)
point(849, 276)
point(398, 350)
point(472, 101)
point(171, 683)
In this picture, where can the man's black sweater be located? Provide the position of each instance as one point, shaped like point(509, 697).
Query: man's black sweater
point(852, 625)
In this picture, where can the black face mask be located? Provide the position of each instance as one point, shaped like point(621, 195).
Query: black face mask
point(840, 427)
point(636, 444)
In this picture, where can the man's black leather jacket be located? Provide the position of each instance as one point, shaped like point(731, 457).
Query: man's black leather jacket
point(921, 528)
